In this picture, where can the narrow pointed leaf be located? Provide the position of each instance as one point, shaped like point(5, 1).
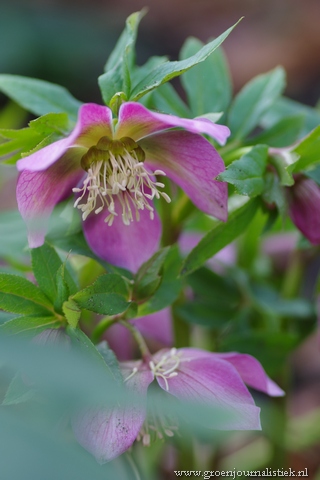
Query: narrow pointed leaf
point(165, 72)
point(220, 236)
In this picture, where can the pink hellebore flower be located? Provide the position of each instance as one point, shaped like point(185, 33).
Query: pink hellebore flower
point(111, 167)
point(189, 374)
point(304, 202)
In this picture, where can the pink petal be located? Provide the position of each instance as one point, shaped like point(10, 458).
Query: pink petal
point(193, 163)
point(156, 326)
point(120, 341)
point(304, 201)
point(136, 121)
point(107, 432)
point(94, 122)
point(204, 378)
point(39, 192)
point(127, 246)
point(252, 373)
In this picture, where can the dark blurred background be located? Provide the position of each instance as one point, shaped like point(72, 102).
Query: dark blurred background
point(68, 41)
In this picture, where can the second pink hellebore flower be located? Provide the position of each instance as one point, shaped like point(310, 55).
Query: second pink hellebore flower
point(112, 167)
point(192, 375)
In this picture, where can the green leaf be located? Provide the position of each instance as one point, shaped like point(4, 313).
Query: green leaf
point(13, 235)
point(314, 174)
point(220, 236)
point(169, 288)
point(253, 101)
point(18, 391)
point(308, 150)
point(148, 276)
point(46, 264)
point(111, 360)
point(213, 315)
point(72, 312)
point(80, 341)
point(274, 194)
point(29, 324)
point(284, 108)
point(62, 289)
point(208, 85)
point(140, 72)
point(283, 133)
point(165, 72)
point(120, 63)
point(246, 174)
point(39, 97)
point(18, 295)
point(165, 99)
point(107, 295)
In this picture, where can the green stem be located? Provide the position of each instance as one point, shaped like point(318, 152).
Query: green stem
point(102, 327)
point(145, 352)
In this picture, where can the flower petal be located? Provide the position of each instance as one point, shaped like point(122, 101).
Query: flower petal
point(209, 380)
point(127, 246)
point(39, 192)
point(192, 163)
point(94, 122)
point(136, 121)
point(252, 373)
point(109, 431)
point(304, 201)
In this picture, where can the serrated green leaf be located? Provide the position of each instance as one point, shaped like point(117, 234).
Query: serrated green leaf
point(18, 295)
point(18, 391)
point(107, 295)
point(165, 72)
point(46, 263)
point(72, 312)
point(62, 289)
point(120, 63)
point(51, 122)
point(140, 72)
point(246, 174)
point(253, 101)
point(29, 324)
point(148, 277)
point(39, 97)
point(208, 85)
point(220, 236)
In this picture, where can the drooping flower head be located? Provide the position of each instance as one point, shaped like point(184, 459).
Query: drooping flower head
point(191, 375)
point(112, 167)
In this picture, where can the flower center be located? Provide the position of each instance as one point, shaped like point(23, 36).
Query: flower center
point(115, 169)
point(167, 366)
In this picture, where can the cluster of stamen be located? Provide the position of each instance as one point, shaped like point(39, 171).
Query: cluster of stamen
point(167, 366)
point(115, 169)
point(158, 426)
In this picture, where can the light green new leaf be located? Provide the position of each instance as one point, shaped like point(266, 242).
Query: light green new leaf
point(29, 324)
point(208, 85)
point(72, 312)
point(253, 101)
point(165, 72)
point(246, 174)
point(107, 295)
point(220, 236)
point(39, 97)
point(18, 295)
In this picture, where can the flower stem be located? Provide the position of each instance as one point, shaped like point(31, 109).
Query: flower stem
point(102, 327)
point(145, 352)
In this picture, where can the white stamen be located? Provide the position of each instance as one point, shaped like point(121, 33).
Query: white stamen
point(167, 366)
point(126, 178)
